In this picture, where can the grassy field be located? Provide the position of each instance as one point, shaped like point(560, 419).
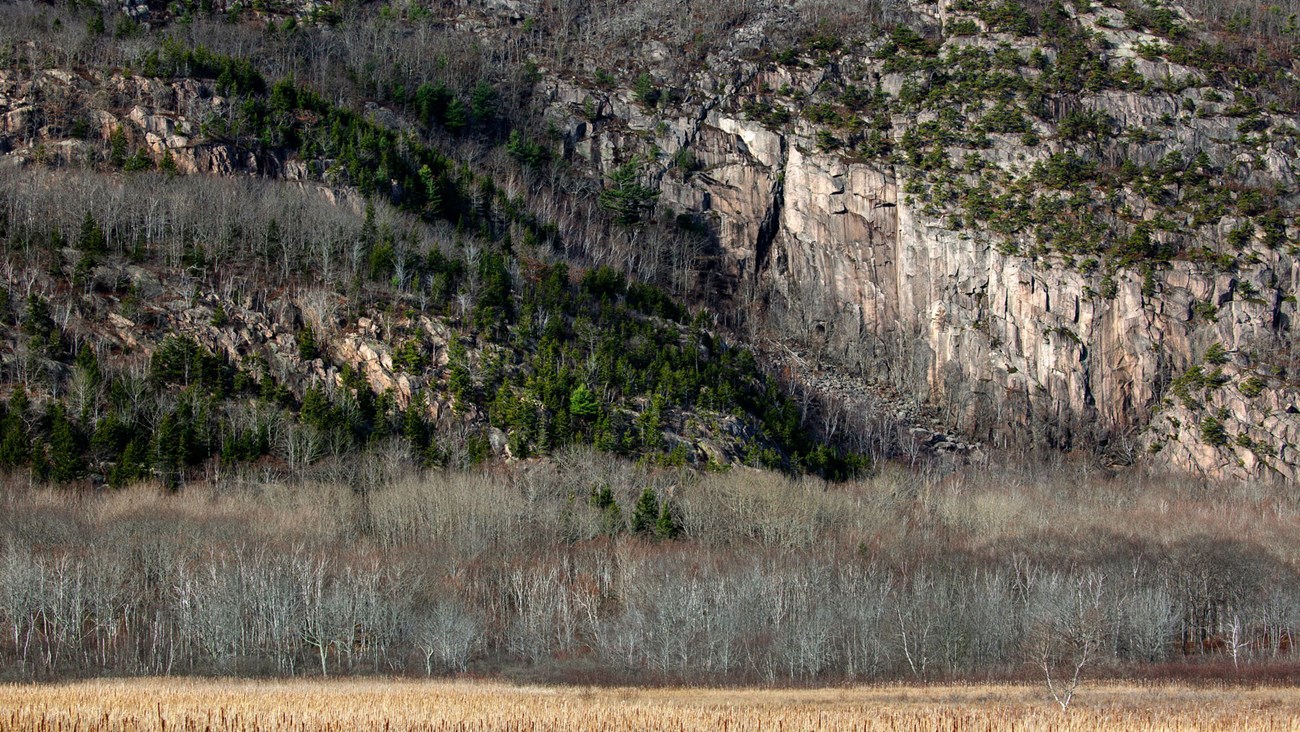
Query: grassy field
point(169, 704)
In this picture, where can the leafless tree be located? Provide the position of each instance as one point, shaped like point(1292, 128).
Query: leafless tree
point(1067, 626)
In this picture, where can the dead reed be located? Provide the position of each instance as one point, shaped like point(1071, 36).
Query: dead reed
point(160, 705)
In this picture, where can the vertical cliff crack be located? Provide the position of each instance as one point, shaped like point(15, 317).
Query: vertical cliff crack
point(771, 225)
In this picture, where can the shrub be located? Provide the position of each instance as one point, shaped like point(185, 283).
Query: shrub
point(1216, 355)
point(1213, 432)
point(1252, 387)
point(646, 91)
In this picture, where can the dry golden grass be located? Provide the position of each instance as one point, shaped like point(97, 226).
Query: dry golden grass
point(308, 706)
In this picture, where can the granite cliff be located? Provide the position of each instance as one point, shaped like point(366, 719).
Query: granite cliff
point(856, 256)
point(1061, 225)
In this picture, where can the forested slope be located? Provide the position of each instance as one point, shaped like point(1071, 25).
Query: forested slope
point(365, 285)
point(605, 340)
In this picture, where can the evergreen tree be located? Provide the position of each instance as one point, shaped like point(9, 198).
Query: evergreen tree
point(131, 466)
point(40, 462)
point(14, 445)
point(611, 517)
point(117, 147)
point(110, 437)
point(483, 103)
point(667, 526)
point(646, 514)
point(91, 239)
point(459, 381)
point(431, 103)
point(66, 461)
point(316, 409)
point(308, 349)
point(88, 365)
point(457, 117)
point(646, 91)
point(414, 427)
point(582, 403)
point(37, 322)
point(526, 151)
point(625, 196)
point(175, 445)
point(432, 191)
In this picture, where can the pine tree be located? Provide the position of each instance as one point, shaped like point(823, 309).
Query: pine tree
point(316, 409)
point(37, 322)
point(110, 436)
point(66, 461)
point(131, 466)
point(625, 196)
point(91, 238)
point(667, 526)
point(432, 191)
point(117, 147)
point(582, 403)
point(483, 103)
point(88, 365)
point(308, 348)
point(40, 462)
point(459, 382)
point(646, 513)
point(414, 427)
point(611, 517)
point(645, 91)
point(14, 445)
point(175, 445)
point(457, 117)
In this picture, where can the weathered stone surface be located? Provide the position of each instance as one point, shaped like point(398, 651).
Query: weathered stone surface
point(1019, 350)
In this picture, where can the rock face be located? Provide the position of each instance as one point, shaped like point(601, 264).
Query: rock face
point(74, 121)
point(1186, 362)
point(1018, 349)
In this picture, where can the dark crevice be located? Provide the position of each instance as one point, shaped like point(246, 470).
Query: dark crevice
point(771, 225)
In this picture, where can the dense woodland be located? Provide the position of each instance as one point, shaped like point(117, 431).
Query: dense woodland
point(176, 506)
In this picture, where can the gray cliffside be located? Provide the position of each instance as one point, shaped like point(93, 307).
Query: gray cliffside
point(1020, 346)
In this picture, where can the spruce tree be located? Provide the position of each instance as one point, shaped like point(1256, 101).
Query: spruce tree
point(131, 466)
point(14, 446)
point(88, 365)
point(308, 348)
point(316, 409)
point(91, 238)
point(414, 427)
point(611, 517)
point(666, 526)
point(40, 463)
point(457, 116)
point(483, 103)
point(646, 513)
point(117, 147)
point(66, 461)
point(582, 403)
point(37, 322)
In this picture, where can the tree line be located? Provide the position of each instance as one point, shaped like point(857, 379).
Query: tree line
point(566, 568)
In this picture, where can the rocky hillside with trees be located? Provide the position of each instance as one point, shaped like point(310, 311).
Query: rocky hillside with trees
point(1040, 224)
point(1066, 224)
point(738, 340)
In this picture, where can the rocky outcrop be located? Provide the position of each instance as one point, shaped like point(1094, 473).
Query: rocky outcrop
point(1018, 349)
point(850, 258)
point(74, 119)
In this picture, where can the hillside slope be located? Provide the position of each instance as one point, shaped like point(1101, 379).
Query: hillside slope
point(1074, 225)
point(1055, 225)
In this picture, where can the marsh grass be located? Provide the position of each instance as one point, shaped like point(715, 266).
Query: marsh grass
point(156, 705)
